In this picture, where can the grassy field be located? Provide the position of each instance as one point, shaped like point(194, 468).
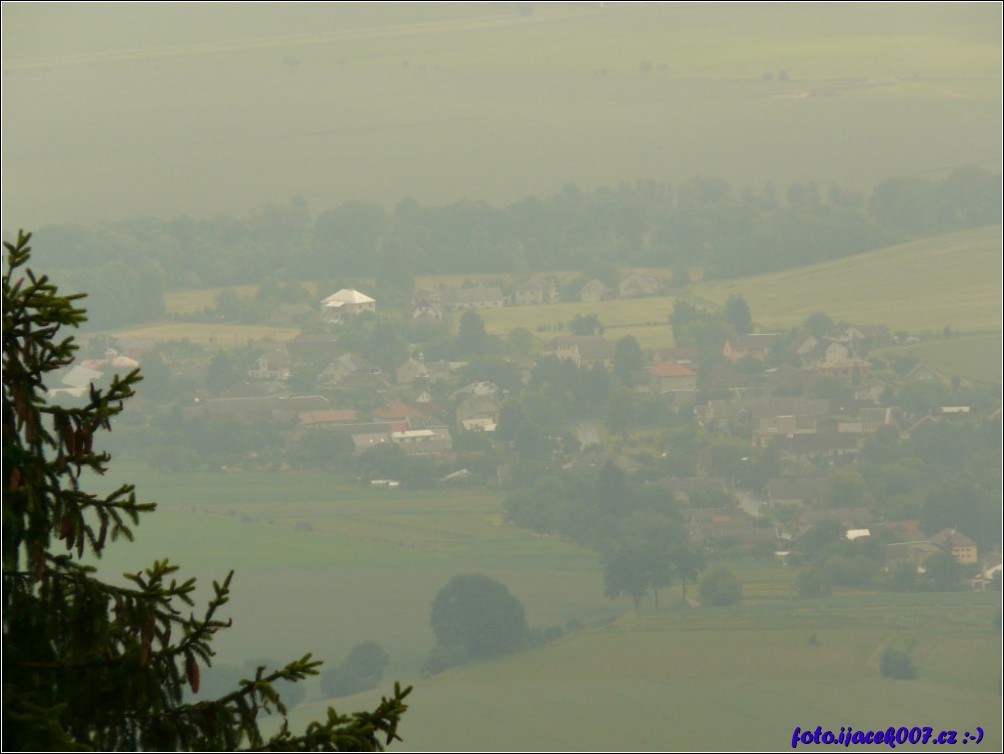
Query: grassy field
point(951, 280)
point(217, 335)
point(647, 319)
point(973, 357)
point(193, 300)
point(730, 680)
point(444, 103)
point(700, 678)
point(377, 557)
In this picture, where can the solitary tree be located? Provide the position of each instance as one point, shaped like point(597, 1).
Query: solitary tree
point(738, 313)
point(88, 664)
point(474, 616)
point(585, 324)
point(628, 357)
point(471, 337)
point(688, 563)
point(720, 587)
point(631, 572)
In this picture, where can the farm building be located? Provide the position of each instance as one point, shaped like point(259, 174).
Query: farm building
point(346, 303)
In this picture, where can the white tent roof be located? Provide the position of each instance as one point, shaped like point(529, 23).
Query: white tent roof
point(347, 296)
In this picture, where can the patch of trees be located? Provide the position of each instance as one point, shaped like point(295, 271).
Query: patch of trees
point(947, 474)
point(720, 587)
point(362, 670)
point(649, 551)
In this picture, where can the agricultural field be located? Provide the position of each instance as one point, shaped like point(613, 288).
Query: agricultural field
point(926, 285)
point(338, 102)
point(727, 679)
point(183, 301)
point(217, 335)
point(343, 564)
point(321, 565)
point(971, 357)
point(647, 319)
point(194, 300)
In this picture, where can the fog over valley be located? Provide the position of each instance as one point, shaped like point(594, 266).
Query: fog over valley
point(565, 376)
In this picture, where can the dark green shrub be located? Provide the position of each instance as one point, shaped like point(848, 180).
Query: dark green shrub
point(896, 663)
point(362, 670)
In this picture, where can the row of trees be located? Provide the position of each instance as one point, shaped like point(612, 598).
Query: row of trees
point(704, 222)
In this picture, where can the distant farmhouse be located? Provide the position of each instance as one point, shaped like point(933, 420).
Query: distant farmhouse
point(482, 297)
point(535, 291)
point(345, 304)
point(639, 284)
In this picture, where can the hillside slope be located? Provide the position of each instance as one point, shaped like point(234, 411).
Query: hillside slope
point(952, 280)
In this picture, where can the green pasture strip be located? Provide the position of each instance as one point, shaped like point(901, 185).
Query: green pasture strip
point(342, 563)
point(216, 335)
point(192, 300)
point(973, 357)
point(615, 314)
point(951, 280)
point(697, 689)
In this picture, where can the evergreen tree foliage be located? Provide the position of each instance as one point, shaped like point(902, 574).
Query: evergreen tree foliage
point(90, 665)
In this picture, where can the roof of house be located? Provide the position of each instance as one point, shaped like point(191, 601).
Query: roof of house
point(536, 283)
point(794, 406)
point(670, 369)
point(80, 377)
point(331, 416)
point(679, 354)
point(951, 538)
point(347, 296)
point(596, 285)
point(589, 347)
point(820, 442)
point(802, 488)
point(364, 440)
point(754, 341)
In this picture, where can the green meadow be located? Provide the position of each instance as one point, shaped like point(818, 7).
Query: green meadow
point(951, 280)
point(973, 357)
point(647, 319)
point(217, 334)
point(321, 565)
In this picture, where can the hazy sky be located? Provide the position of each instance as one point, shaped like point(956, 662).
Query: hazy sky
point(115, 110)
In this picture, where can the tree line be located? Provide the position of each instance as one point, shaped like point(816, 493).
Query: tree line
point(704, 222)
